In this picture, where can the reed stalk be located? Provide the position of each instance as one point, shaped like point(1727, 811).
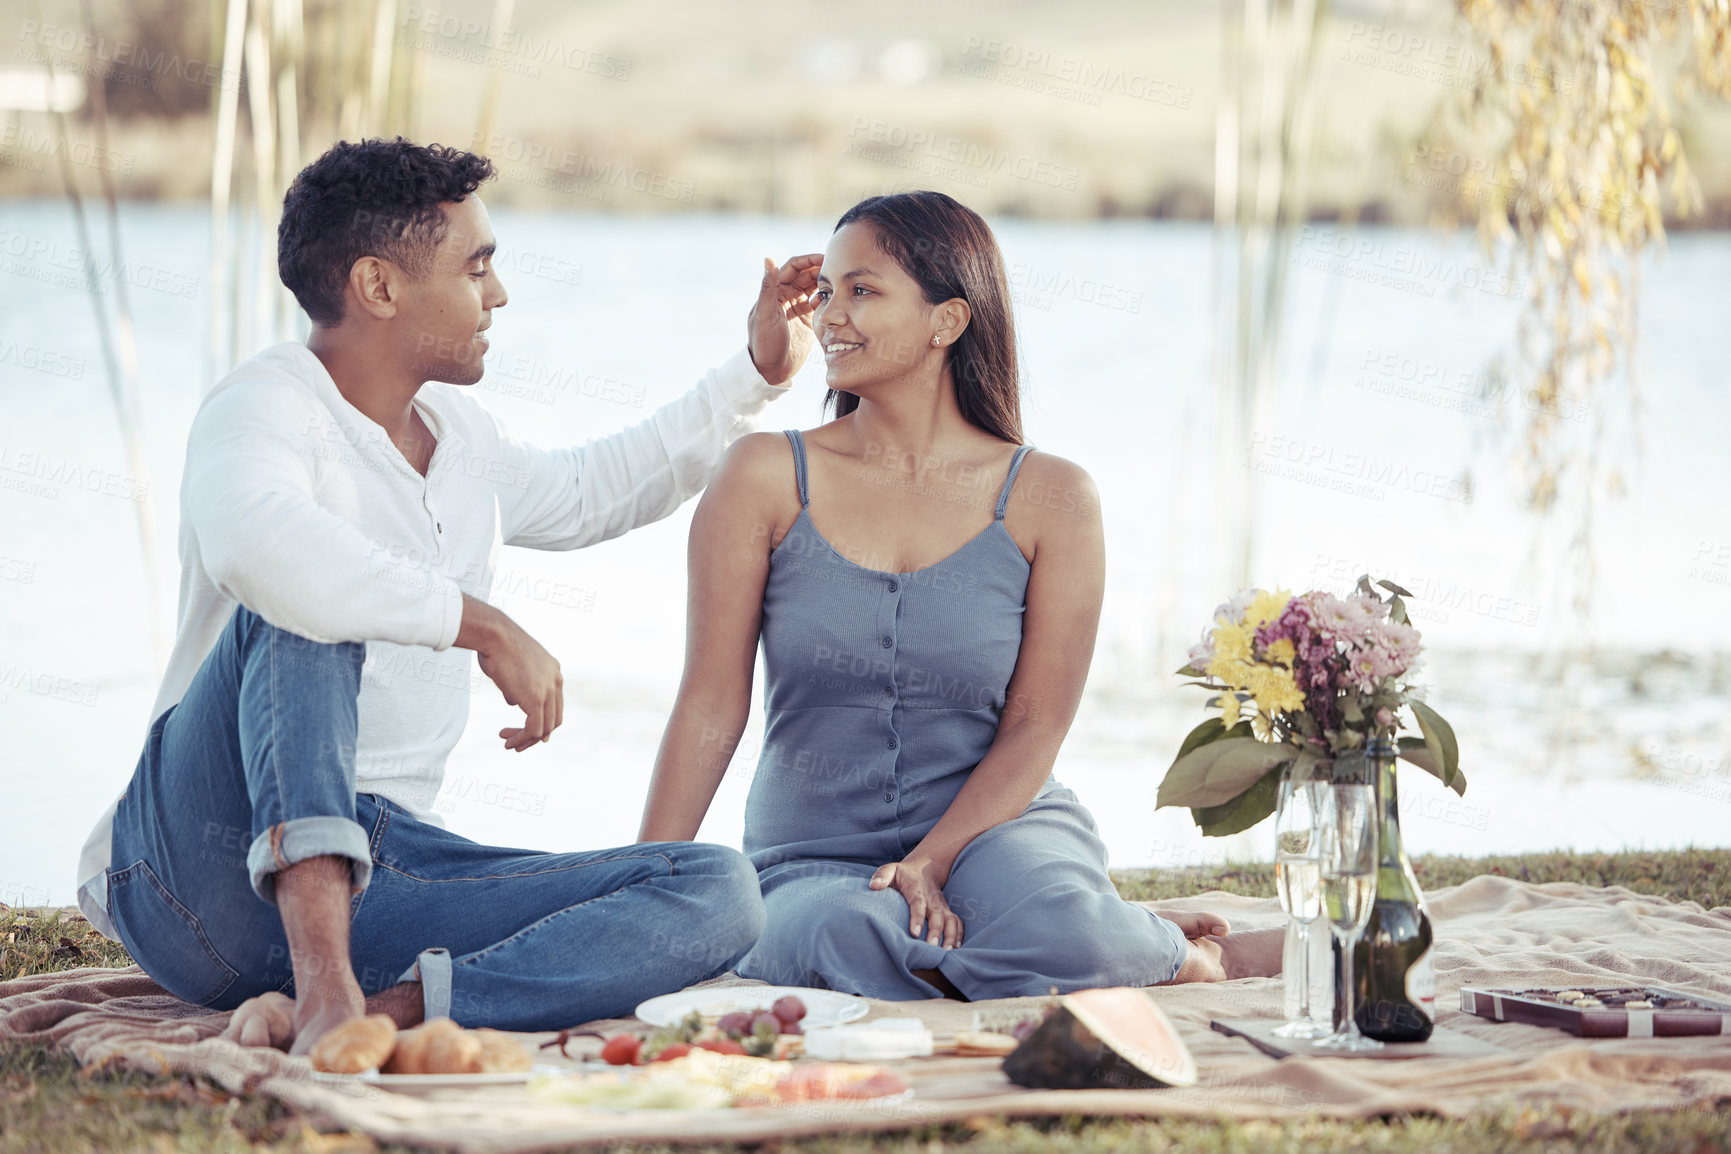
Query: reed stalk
point(119, 347)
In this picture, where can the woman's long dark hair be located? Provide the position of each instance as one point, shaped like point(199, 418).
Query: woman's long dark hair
point(949, 251)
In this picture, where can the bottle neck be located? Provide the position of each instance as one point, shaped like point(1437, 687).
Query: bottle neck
point(1381, 754)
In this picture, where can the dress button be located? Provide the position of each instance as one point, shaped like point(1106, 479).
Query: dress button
point(889, 691)
point(888, 642)
point(891, 743)
point(894, 586)
point(889, 797)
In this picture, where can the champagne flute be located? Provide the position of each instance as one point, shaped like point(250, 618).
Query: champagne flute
point(1298, 874)
point(1349, 860)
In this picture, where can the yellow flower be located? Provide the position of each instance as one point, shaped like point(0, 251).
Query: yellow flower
point(1267, 607)
point(1282, 652)
point(1274, 689)
point(1231, 654)
point(1229, 709)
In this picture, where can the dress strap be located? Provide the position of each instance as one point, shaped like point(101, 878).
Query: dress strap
point(798, 443)
point(1015, 467)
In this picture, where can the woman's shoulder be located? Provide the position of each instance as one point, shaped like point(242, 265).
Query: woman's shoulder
point(1048, 486)
point(757, 465)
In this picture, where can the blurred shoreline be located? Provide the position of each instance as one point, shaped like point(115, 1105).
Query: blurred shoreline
point(1088, 111)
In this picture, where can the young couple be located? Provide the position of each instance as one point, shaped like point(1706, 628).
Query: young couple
point(925, 586)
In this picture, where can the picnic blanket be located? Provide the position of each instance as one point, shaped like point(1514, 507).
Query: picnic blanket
point(1489, 931)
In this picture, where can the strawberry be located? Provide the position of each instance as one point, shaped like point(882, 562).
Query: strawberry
point(621, 1050)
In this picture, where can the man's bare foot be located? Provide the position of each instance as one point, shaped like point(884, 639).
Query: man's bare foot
point(267, 1020)
point(319, 1012)
point(272, 1019)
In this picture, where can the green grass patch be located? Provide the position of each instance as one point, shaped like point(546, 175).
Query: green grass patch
point(1692, 875)
point(48, 1104)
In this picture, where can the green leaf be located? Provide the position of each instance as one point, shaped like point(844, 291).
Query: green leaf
point(1243, 811)
point(1439, 737)
point(1211, 730)
point(1220, 770)
point(1397, 611)
point(1414, 749)
point(1393, 588)
point(1190, 671)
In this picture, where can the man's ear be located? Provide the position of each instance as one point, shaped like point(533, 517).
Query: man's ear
point(952, 317)
point(375, 286)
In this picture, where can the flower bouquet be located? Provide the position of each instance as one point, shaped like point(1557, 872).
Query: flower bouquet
point(1301, 682)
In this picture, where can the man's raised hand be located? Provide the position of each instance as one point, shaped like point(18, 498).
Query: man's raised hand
point(779, 325)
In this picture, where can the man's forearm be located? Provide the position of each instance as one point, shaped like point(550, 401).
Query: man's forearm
point(482, 625)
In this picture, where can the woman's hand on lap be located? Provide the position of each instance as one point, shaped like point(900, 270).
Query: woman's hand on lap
point(917, 882)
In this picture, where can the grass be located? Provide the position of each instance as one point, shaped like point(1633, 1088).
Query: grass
point(48, 1104)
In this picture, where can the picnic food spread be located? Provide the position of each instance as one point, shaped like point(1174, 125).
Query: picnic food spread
point(436, 1047)
point(706, 1080)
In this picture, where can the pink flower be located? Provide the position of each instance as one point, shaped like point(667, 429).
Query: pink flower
point(1386, 650)
point(1350, 618)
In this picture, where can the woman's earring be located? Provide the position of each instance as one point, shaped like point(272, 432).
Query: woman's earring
point(936, 342)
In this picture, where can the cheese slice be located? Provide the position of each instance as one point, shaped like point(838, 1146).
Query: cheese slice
point(881, 1041)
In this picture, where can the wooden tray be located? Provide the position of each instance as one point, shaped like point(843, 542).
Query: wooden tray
point(1672, 1014)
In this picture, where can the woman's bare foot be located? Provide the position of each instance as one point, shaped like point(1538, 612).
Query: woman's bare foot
point(1217, 955)
point(1253, 953)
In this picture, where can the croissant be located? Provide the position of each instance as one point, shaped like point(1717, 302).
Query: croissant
point(356, 1045)
point(501, 1054)
point(436, 1047)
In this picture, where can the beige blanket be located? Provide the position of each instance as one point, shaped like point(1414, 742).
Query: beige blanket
point(1490, 931)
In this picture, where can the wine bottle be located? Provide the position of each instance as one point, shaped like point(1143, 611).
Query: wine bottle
point(1394, 970)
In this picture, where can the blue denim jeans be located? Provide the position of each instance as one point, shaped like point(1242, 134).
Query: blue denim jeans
point(253, 771)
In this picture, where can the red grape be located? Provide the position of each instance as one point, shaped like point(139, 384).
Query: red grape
point(789, 1009)
point(735, 1024)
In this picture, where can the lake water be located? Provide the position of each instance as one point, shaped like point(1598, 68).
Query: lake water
point(1376, 457)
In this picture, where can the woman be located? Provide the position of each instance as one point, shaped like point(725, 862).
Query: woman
point(927, 590)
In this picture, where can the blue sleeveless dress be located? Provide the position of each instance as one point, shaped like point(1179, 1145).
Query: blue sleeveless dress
point(883, 692)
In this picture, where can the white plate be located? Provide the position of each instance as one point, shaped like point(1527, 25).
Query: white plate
point(412, 1083)
point(822, 1007)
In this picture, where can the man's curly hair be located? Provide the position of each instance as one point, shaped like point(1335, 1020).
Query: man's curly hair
point(377, 198)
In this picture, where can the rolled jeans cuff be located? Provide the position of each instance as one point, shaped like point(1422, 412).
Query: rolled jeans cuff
point(296, 840)
point(433, 970)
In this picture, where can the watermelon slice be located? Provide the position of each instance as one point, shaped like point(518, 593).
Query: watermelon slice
point(1102, 1039)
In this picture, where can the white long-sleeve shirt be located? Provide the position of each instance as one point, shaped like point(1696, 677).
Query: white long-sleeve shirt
point(299, 506)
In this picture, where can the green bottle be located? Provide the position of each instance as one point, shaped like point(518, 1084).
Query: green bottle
point(1394, 969)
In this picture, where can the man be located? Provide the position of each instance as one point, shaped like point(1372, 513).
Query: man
point(340, 518)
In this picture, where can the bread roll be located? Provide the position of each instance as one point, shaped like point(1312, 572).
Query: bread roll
point(436, 1047)
point(983, 1044)
point(356, 1045)
point(501, 1053)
